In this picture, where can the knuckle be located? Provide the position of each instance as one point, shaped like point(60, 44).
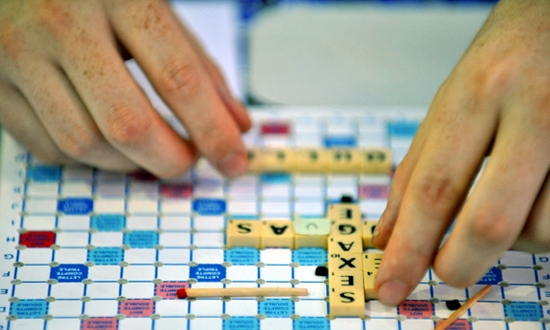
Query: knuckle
point(54, 18)
point(180, 78)
point(125, 126)
point(490, 79)
point(79, 146)
point(492, 227)
point(216, 143)
point(436, 191)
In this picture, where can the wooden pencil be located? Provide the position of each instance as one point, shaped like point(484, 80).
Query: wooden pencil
point(241, 292)
point(469, 303)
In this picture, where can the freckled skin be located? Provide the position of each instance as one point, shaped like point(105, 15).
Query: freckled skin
point(63, 77)
point(494, 103)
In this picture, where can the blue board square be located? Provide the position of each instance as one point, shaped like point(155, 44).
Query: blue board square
point(208, 272)
point(44, 173)
point(106, 256)
point(75, 206)
point(69, 273)
point(141, 239)
point(276, 308)
point(241, 323)
point(108, 222)
point(207, 206)
point(242, 256)
point(309, 256)
point(493, 277)
point(523, 311)
point(340, 141)
point(308, 323)
point(29, 308)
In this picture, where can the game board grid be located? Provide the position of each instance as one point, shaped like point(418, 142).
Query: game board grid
point(382, 320)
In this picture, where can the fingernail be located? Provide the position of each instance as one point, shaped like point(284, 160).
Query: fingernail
point(392, 293)
point(233, 164)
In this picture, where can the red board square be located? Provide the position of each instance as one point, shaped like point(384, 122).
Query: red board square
point(374, 191)
point(136, 307)
point(37, 239)
point(275, 128)
point(103, 323)
point(167, 290)
point(416, 309)
point(176, 190)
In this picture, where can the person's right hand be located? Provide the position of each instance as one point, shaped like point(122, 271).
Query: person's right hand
point(66, 95)
point(495, 102)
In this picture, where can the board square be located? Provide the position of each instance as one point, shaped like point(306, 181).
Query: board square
point(173, 273)
point(174, 255)
point(39, 223)
point(139, 273)
point(110, 205)
point(242, 273)
point(34, 256)
point(135, 323)
point(142, 222)
point(100, 290)
point(208, 256)
point(182, 223)
point(31, 291)
point(33, 273)
point(207, 307)
point(65, 308)
point(140, 256)
point(311, 307)
point(70, 222)
point(241, 307)
point(80, 189)
point(101, 308)
point(209, 223)
point(172, 308)
point(72, 239)
point(68, 290)
point(169, 239)
point(175, 207)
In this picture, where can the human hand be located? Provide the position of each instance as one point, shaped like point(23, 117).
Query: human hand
point(496, 101)
point(67, 96)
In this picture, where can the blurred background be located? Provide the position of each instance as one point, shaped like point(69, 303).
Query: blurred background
point(374, 53)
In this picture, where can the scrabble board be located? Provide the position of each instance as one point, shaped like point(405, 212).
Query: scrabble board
point(86, 249)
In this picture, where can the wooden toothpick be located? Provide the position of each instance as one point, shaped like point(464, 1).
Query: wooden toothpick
point(241, 292)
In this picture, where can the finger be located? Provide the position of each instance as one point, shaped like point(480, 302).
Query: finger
point(496, 211)
point(179, 76)
point(236, 108)
point(18, 119)
point(118, 106)
point(400, 180)
point(440, 180)
point(65, 119)
point(535, 233)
